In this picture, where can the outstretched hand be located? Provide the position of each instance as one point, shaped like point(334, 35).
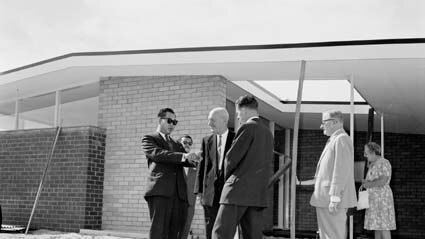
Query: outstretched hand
point(192, 158)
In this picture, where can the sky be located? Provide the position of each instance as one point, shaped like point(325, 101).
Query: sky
point(32, 31)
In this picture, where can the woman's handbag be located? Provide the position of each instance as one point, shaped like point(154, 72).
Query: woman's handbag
point(363, 202)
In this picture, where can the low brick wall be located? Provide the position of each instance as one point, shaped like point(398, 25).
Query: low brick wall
point(73, 188)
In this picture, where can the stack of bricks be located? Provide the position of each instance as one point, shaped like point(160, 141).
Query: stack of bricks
point(128, 108)
point(71, 198)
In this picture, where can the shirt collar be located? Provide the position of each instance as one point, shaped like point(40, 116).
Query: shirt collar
point(337, 132)
point(163, 135)
point(223, 135)
point(253, 117)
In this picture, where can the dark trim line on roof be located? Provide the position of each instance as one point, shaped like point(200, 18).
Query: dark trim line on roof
point(230, 48)
point(325, 102)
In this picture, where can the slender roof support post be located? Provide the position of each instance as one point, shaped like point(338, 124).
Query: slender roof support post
point(268, 212)
point(295, 147)
point(17, 106)
point(370, 126)
point(57, 108)
point(352, 138)
point(382, 134)
point(286, 187)
point(237, 122)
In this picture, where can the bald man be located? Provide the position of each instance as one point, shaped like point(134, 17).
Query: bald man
point(246, 174)
point(210, 176)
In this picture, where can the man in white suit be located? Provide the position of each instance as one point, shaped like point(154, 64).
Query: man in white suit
point(334, 190)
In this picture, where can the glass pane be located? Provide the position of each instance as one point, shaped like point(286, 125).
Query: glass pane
point(313, 90)
point(80, 112)
point(80, 105)
point(37, 111)
point(7, 116)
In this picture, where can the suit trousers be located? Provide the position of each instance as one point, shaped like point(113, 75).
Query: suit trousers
point(191, 199)
point(229, 216)
point(332, 226)
point(210, 214)
point(168, 217)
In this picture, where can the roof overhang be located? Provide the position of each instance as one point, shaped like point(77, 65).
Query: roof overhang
point(389, 74)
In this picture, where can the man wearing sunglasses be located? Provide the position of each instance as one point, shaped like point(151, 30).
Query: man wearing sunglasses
point(210, 176)
point(166, 189)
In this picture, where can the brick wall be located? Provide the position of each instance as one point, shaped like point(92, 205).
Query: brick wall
point(72, 195)
point(406, 152)
point(127, 109)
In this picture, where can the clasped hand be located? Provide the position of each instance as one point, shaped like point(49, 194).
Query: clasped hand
point(193, 158)
point(333, 207)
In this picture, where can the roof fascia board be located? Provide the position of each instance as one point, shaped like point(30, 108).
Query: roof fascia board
point(227, 48)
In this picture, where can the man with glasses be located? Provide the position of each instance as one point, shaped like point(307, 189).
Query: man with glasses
point(210, 176)
point(166, 190)
point(187, 142)
point(334, 190)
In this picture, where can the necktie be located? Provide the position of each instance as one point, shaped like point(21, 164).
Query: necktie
point(169, 141)
point(220, 160)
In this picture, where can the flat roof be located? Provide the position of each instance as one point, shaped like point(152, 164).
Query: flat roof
point(388, 73)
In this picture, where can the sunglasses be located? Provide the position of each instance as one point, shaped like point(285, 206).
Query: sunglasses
point(171, 121)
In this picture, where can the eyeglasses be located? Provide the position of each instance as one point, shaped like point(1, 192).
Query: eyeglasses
point(326, 120)
point(171, 121)
point(187, 143)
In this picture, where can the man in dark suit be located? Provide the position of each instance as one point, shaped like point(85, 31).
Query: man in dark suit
point(187, 142)
point(246, 172)
point(166, 191)
point(210, 176)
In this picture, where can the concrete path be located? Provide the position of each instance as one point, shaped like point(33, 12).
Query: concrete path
point(46, 234)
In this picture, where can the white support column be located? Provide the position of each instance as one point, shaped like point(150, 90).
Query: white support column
point(295, 147)
point(286, 187)
point(351, 232)
point(237, 125)
point(382, 134)
point(17, 109)
point(268, 212)
point(352, 108)
point(272, 127)
point(236, 121)
point(57, 108)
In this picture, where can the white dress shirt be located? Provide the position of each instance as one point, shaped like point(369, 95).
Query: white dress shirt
point(223, 145)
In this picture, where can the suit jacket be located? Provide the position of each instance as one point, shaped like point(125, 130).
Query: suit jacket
point(335, 173)
point(190, 181)
point(165, 164)
point(208, 168)
point(248, 166)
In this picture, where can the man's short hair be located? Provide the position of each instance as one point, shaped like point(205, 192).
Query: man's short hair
point(186, 136)
point(247, 101)
point(162, 112)
point(336, 114)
